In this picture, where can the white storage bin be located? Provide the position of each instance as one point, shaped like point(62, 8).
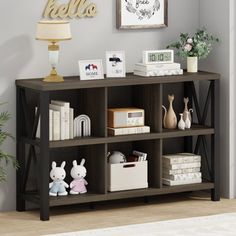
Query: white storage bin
point(126, 176)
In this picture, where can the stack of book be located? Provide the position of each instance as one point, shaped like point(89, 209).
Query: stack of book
point(61, 121)
point(162, 69)
point(181, 168)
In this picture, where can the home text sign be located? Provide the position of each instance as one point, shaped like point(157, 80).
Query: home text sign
point(73, 9)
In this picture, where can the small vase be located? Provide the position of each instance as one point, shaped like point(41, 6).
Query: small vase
point(187, 121)
point(181, 124)
point(192, 64)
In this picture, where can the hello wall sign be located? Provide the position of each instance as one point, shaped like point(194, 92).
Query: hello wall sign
point(73, 9)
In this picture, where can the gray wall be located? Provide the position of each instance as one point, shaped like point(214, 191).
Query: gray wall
point(218, 16)
point(24, 57)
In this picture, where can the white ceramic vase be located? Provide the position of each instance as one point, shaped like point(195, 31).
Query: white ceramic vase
point(181, 124)
point(192, 64)
point(187, 121)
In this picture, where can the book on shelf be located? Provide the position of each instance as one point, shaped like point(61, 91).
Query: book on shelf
point(128, 130)
point(152, 67)
point(50, 126)
point(159, 72)
point(66, 115)
point(71, 122)
point(186, 176)
point(182, 166)
point(180, 158)
point(56, 126)
point(181, 182)
point(180, 171)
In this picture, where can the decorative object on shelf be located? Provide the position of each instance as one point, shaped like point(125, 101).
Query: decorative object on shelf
point(170, 119)
point(158, 56)
point(73, 9)
point(186, 101)
point(116, 157)
point(181, 124)
point(78, 173)
point(53, 32)
point(115, 64)
point(128, 130)
point(181, 168)
point(58, 186)
point(91, 69)
point(125, 117)
point(158, 63)
point(188, 121)
point(5, 157)
point(141, 14)
point(194, 47)
point(82, 126)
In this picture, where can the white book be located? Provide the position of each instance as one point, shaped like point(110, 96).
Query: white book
point(163, 66)
point(159, 72)
point(71, 123)
point(50, 125)
point(183, 176)
point(181, 182)
point(181, 171)
point(182, 166)
point(56, 126)
point(180, 158)
point(130, 130)
point(66, 105)
point(61, 109)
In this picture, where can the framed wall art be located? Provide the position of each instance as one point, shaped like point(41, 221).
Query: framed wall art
point(91, 69)
point(115, 64)
point(141, 14)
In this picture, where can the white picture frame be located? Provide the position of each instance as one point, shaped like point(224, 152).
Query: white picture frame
point(91, 69)
point(115, 64)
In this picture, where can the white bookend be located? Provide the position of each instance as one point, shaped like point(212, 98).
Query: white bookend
point(181, 158)
point(71, 122)
point(181, 182)
point(130, 130)
point(182, 166)
point(56, 126)
point(181, 171)
point(50, 125)
point(66, 105)
point(187, 176)
point(61, 109)
point(150, 67)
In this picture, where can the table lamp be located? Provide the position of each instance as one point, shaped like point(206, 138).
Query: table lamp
point(53, 32)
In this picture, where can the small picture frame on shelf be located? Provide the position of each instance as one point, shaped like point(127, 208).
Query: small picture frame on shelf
point(115, 64)
point(91, 69)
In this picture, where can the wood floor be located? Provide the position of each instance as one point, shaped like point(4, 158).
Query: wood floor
point(76, 218)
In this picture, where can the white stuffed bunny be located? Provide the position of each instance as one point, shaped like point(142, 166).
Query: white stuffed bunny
point(78, 172)
point(58, 186)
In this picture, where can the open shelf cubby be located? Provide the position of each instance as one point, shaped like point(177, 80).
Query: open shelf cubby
point(93, 98)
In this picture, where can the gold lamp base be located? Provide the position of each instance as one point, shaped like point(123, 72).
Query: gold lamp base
point(53, 77)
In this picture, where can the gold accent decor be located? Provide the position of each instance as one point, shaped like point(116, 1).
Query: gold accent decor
point(53, 77)
point(53, 47)
point(74, 8)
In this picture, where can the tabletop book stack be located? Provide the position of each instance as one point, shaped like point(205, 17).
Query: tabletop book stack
point(181, 168)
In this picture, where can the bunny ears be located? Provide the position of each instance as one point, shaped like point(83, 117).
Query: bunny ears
point(81, 163)
point(54, 164)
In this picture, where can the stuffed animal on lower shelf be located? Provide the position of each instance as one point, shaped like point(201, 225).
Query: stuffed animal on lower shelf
point(78, 172)
point(58, 186)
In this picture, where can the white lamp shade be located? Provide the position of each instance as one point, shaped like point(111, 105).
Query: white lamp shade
point(53, 31)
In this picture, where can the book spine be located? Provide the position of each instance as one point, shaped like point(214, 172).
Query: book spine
point(180, 159)
point(151, 67)
point(181, 182)
point(71, 123)
point(159, 72)
point(183, 166)
point(56, 126)
point(50, 125)
point(188, 176)
point(183, 171)
point(67, 122)
point(132, 130)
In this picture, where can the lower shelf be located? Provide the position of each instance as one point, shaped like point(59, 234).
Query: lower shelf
point(94, 197)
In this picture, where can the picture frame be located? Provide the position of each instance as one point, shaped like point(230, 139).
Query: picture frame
point(115, 64)
point(141, 14)
point(91, 69)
